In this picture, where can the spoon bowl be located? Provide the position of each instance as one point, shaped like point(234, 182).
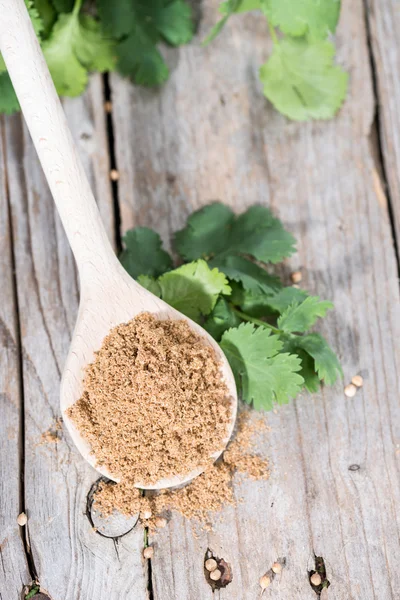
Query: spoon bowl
point(103, 307)
point(109, 296)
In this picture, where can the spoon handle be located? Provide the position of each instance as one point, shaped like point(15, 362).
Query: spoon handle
point(53, 141)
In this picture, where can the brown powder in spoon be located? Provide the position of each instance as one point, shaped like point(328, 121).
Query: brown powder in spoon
point(154, 403)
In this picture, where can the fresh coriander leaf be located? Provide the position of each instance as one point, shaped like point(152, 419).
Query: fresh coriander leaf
point(311, 379)
point(285, 297)
point(262, 374)
point(47, 14)
point(69, 75)
point(193, 289)
point(255, 305)
point(35, 17)
point(140, 25)
point(8, 99)
point(327, 364)
point(315, 18)
point(253, 278)
point(301, 80)
point(300, 316)
point(143, 253)
point(175, 23)
point(93, 49)
point(63, 6)
point(241, 6)
point(117, 18)
point(150, 284)
point(227, 9)
point(139, 58)
point(207, 232)
point(76, 44)
point(222, 317)
point(215, 230)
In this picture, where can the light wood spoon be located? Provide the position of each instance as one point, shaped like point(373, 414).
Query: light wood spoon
point(109, 296)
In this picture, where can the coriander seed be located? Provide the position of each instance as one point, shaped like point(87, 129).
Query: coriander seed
point(265, 581)
point(316, 579)
point(357, 381)
point(22, 519)
point(215, 575)
point(277, 568)
point(148, 552)
point(210, 564)
point(296, 277)
point(350, 390)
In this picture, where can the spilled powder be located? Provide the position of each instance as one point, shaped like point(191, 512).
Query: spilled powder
point(51, 435)
point(154, 404)
point(206, 494)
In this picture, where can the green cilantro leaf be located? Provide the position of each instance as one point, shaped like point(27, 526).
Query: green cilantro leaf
point(193, 289)
point(143, 253)
point(285, 297)
point(300, 316)
point(317, 18)
point(93, 49)
point(215, 230)
point(140, 25)
point(301, 80)
point(47, 14)
point(139, 58)
point(150, 284)
point(311, 379)
point(327, 364)
point(175, 23)
point(262, 374)
point(74, 46)
point(222, 317)
point(227, 9)
point(253, 278)
point(8, 99)
point(63, 6)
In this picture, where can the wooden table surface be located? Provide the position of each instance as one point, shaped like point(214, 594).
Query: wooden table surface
point(209, 134)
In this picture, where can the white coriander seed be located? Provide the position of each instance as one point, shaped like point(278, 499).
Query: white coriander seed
point(296, 277)
point(357, 381)
point(276, 567)
point(316, 579)
point(350, 390)
point(215, 575)
point(211, 564)
point(22, 519)
point(265, 580)
point(148, 552)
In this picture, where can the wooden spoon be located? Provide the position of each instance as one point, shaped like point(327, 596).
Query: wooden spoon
point(109, 296)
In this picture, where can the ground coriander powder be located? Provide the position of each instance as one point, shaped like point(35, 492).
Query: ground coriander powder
point(154, 403)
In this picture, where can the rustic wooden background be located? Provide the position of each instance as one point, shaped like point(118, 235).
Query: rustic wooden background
point(209, 134)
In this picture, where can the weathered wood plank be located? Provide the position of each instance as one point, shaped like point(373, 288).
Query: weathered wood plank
point(384, 24)
point(210, 134)
point(72, 560)
point(14, 573)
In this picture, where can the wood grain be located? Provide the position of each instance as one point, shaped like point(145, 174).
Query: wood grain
point(384, 25)
point(14, 571)
point(210, 134)
point(73, 561)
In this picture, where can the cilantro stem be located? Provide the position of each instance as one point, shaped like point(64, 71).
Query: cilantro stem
point(77, 7)
point(250, 319)
point(273, 34)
